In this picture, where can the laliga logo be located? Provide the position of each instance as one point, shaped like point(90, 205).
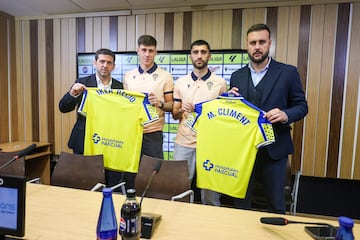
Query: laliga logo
point(96, 138)
point(207, 165)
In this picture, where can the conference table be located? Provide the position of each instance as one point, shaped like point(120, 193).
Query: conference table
point(65, 213)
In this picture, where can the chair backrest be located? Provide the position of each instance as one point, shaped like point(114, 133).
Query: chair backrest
point(16, 168)
point(172, 178)
point(78, 171)
point(329, 196)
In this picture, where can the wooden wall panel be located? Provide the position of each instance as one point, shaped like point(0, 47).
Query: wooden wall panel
point(313, 87)
point(260, 15)
point(324, 95)
point(272, 22)
point(19, 75)
point(51, 105)
point(352, 103)
point(97, 34)
point(131, 39)
point(159, 31)
point(4, 82)
point(226, 33)
point(196, 25)
point(113, 28)
point(140, 25)
point(178, 33)
point(122, 33)
point(302, 64)
point(237, 30)
point(14, 130)
point(61, 130)
point(89, 28)
point(42, 98)
point(248, 19)
point(216, 30)
point(321, 40)
point(26, 83)
point(282, 34)
point(293, 35)
point(150, 24)
point(105, 33)
point(169, 31)
point(337, 99)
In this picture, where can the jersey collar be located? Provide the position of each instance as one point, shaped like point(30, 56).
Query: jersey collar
point(150, 71)
point(204, 78)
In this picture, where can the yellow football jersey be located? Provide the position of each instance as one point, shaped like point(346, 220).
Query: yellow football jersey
point(229, 132)
point(114, 126)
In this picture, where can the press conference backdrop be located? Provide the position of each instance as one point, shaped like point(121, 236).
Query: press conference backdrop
point(178, 63)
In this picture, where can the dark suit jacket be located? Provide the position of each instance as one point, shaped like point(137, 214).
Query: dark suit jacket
point(282, 90)
point(69, 103)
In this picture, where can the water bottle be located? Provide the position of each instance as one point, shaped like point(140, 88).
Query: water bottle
point(107, 224)
point(345, 229)
point(130, 221)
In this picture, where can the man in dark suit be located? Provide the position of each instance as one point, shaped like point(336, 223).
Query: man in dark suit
point(276, 88)
point(104, 64)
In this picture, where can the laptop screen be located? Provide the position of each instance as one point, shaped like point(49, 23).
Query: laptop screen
point(12, 205)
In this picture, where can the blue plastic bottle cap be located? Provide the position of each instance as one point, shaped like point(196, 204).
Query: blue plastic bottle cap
point(346, 222)
point(107, 191)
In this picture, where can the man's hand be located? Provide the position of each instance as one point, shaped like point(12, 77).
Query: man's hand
point(235, 91)
point(276, 115)
point(77, 89)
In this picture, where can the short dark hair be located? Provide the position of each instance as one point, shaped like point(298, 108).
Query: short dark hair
point(200, 42)
point(147, 40)
point(104, 51)
point(258, 27)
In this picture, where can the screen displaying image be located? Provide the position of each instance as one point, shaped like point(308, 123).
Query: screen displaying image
point(8, 207)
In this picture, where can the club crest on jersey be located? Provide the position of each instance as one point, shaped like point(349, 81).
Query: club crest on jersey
point(210, 85)
point(155, 76)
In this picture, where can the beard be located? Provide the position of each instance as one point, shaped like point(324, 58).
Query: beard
point(200, 66)
point(259, 60)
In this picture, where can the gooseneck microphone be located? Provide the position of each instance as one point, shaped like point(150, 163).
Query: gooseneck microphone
point(156, 169)
point(283, 221)
point(20, 154)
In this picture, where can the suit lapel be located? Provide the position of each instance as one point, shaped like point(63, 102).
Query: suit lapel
point(270, 79)
point(92, 82)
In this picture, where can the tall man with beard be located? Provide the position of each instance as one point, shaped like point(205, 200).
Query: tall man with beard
point(275, 88)
point(198, 86)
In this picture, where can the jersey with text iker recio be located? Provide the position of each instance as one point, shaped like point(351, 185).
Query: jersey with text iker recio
point(114, 126)
point(229, 132)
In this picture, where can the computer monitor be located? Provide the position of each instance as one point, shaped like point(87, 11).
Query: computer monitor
point(12, 206)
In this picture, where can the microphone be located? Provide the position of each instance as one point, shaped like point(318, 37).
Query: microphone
point(20, 154)
point(156, 169)
point(149, 221)
point(283, 221)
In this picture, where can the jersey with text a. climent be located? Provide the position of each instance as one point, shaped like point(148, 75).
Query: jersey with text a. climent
point(114, 126)
point(229, 132)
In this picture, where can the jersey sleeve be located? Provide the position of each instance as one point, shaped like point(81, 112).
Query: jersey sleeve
point(150, 113)
point(266, 131)
point(83, 106)
point(169, 84)
point(192, 119)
